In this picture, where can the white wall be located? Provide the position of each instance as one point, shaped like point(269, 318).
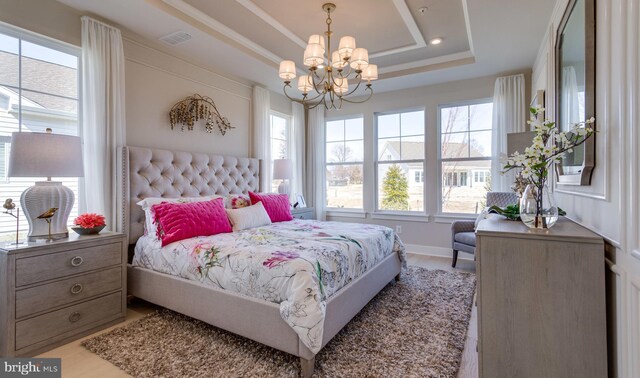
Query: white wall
point(427, 234)
point(610, 205)
point(155, 80)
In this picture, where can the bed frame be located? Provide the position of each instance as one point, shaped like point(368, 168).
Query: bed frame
point(162, 173)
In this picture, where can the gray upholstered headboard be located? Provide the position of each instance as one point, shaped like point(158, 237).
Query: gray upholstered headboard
point(151, 172)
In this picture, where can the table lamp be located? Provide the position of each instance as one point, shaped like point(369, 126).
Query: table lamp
point(46, 155)
point(283, 170)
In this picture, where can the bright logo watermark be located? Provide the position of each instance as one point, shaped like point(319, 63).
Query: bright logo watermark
point(31, 367)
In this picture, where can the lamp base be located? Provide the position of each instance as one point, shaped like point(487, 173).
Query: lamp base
point(38, 199)
point(283, 188)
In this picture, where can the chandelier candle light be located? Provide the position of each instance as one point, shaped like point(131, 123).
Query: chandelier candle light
point(327, 82)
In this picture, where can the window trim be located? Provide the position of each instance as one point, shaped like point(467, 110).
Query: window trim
point(61, 46)
point(395, 214)
point(485, 100)
point(342, 210)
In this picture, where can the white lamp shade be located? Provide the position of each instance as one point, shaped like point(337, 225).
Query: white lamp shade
point(359, 59)
point(370, 73)
point(336, 61)
point(305, 84)
point(341, 86)
point(45, 155)
point(317, 39)
point(346, 46)
point(287, 70)
point(282, 169)
point(313, 55)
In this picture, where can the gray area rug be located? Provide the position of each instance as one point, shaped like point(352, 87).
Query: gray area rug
point(413, 328)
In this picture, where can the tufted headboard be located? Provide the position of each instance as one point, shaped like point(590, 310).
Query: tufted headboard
point(151, 172)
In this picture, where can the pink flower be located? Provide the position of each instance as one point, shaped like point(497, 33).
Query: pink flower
point(89, 220)
point(322, 235)
point(278, 258)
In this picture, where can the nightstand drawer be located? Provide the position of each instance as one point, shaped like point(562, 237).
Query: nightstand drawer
point(41, 298)
point(43, 327)
point(57, 265)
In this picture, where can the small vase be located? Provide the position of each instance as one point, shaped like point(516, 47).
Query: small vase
point(538, 208)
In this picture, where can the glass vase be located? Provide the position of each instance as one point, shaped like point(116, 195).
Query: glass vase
point(538, 208)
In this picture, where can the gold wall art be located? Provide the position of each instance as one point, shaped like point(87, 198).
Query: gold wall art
point(193, 108)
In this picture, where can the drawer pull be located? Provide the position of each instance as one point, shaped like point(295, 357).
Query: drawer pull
point(77, 261)
point(74, 317)
point(76, 289)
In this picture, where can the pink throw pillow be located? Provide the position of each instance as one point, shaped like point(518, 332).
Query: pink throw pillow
point(179, 221)
point(276, 205)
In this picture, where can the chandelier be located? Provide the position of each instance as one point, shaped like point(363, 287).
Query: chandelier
point(327, 82)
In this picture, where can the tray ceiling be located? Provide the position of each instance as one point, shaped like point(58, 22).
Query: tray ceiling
point(246, 39)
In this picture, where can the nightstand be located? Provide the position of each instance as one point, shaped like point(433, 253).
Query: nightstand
point(53, 293)
point(303, 213)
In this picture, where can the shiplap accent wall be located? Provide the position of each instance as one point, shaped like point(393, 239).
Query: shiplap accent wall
point(611, 205)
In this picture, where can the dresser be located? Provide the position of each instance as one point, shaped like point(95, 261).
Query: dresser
point(53, 293)
point(303, 213)
point(541, 301)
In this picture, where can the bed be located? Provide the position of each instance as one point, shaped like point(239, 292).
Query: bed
point(181, 280)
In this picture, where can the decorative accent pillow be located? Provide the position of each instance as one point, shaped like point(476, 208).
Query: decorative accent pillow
point(179, 221)
point(483, 214)
point(276, 205)
point(147, 203)
point(236, 201)
point(249, 217)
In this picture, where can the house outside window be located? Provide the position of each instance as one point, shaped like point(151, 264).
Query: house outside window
point(465, 155)
point(344, 163)
point(400, 160)
point(39, 89)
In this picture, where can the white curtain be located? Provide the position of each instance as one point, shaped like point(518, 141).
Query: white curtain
point(570, 111)
point(103, 117)
point(262, 135)
point(297, 149)
point(508, 117)
point(315, 160)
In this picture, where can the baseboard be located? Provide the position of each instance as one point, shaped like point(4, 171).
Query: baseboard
point(427, 250)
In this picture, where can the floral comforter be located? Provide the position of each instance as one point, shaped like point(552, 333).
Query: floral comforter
point(297, 264)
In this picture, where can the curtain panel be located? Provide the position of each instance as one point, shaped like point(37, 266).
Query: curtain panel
point(262, 135)
point(315, 160)
point(297, 149)
point(103, 117)
point(508, 117)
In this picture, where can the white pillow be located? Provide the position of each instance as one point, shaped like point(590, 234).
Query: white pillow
point(248, 217)
point(147, 205)
point(483, 214)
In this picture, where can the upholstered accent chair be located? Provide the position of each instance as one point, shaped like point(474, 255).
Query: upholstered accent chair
point(463, 235)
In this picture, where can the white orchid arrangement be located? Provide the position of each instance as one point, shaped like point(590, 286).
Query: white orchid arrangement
point(548, 146)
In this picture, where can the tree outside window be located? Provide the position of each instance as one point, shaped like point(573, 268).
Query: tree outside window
point(465, 156)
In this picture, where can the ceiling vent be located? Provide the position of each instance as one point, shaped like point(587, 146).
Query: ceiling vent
point(176, 38)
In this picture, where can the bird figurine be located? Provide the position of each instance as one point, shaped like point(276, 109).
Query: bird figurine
point(48, 214)
point(9, 204)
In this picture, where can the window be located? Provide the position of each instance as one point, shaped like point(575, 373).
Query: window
point(280, 136)
point(465, 151)
point(400, 143)
point(39, 86)
point(344, 157)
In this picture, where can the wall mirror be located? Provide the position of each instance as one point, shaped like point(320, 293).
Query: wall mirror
point(575, 87)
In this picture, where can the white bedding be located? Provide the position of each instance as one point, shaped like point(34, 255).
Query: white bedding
point(297, 264)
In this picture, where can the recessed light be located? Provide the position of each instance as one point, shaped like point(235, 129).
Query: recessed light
point(436, 41)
